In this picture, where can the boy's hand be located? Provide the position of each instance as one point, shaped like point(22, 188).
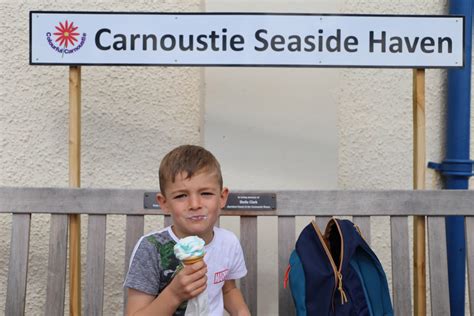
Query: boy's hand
point(186, 284)
point(189, 282)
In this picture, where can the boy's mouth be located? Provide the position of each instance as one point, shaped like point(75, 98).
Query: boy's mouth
point(197, 218)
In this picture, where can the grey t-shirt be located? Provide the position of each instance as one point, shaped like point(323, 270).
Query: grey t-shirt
point(144, 274)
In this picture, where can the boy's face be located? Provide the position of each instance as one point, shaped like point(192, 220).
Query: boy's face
point(194, 204)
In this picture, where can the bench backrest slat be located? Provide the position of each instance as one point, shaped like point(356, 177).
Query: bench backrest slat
point(286, 243)
point(470, 259)
point(95, 267)
point(438, 263)
point(290, 203)
point(400, 265)
point(18, 265)
point(135, 225)
point(167, 221)
point(248, 239)
point(57, 262)
point(322, 221)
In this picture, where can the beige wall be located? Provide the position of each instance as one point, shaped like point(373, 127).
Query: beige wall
point(133, 115)
point(272, 128)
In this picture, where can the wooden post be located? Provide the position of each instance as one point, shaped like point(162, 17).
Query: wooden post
point(75, 182)
point(419, 161)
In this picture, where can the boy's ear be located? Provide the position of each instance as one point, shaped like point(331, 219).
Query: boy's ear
point(161, 199)
point(224, 196)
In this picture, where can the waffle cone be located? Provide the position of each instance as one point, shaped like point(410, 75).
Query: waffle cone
point(192, 260)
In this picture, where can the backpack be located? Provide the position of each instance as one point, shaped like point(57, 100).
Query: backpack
point(336, 274)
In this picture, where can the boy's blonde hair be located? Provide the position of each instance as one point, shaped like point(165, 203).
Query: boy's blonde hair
point(189, 159)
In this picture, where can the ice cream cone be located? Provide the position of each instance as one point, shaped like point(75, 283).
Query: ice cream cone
point(192, 260)
point(189, 250)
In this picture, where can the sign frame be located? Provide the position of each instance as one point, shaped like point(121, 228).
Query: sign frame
point(250, 14)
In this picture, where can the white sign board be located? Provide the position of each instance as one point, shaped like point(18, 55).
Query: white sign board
point(247, 39)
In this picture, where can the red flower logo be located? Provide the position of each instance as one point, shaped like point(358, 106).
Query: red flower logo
point(66, 34)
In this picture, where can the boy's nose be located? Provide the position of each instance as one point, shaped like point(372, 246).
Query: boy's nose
point(194, 202)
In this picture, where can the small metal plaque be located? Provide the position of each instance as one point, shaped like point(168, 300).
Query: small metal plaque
point(251, 201)
point(149, 200)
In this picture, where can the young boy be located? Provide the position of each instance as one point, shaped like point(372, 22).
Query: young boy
point(193, 194)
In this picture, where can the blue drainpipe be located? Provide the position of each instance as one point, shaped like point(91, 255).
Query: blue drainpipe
point(457, 167)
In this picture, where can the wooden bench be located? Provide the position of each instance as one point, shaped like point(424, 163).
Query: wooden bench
point(98, 203)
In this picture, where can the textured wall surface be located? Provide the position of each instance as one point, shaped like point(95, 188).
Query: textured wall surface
point(131, 116)
point(376, 123)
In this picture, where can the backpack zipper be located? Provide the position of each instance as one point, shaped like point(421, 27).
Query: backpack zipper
point(339, 274)
point(331, 260)
point(336, 270)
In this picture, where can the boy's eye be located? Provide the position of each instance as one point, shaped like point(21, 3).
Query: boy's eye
point(180, 196)
point(207, 193)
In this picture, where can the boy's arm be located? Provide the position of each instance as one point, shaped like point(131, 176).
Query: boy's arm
point(233, 300)
point(188, 283)
point(140, 303)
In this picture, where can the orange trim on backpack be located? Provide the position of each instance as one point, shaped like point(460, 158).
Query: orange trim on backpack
point(287, 277)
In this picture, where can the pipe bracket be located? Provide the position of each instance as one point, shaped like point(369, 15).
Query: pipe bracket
point(453, 167)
